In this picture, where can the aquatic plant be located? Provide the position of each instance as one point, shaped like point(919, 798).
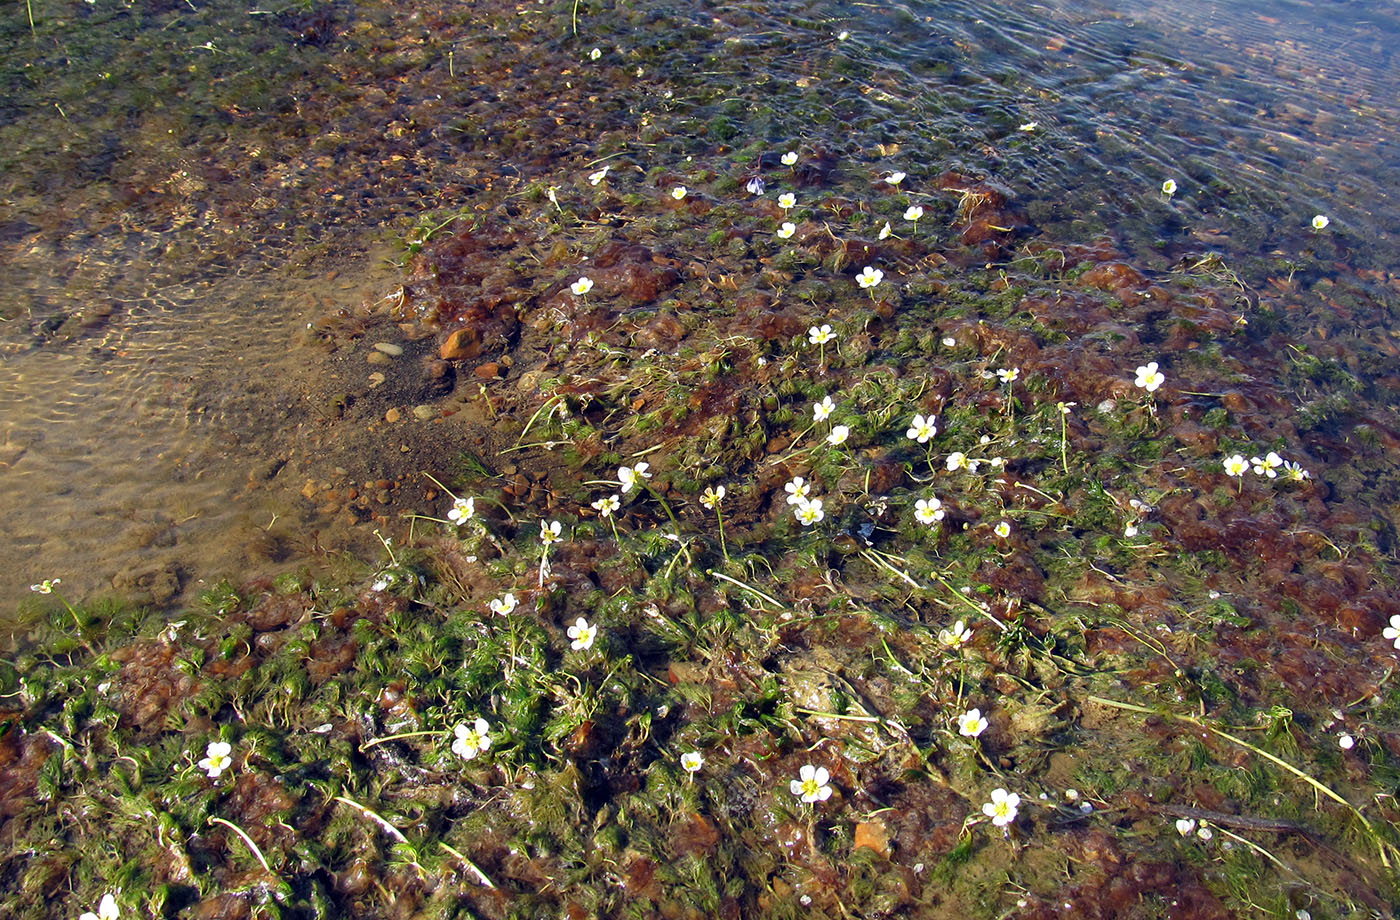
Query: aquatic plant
point(812, 784)
point(1002, 808)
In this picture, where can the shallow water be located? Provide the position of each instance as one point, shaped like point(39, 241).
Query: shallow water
point(168, 234)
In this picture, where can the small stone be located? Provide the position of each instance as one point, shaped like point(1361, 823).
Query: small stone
point(874, 836)
point(375, 379)
point(461, 345)
point(489, 371)
point(423, 413)
point(392, 415)
point(378, 357)
point(391, 350)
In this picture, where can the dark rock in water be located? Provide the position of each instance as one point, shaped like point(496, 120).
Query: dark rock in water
point(632, 272)
point(438, 378)
point(463, 287)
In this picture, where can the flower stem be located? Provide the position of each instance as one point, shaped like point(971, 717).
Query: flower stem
point(665, 507)
point(1064, 443)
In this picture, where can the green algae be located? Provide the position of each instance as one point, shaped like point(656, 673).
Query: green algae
point(817, 644)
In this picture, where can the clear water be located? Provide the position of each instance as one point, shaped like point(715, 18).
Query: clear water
point(186, 187)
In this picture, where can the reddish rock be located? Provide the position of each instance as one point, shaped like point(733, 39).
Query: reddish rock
point(873, 835)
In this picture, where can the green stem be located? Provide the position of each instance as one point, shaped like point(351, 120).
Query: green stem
point(369, 744)
point(665, 507)
point(1064, 443)
point(1382, 847)
point(246, 839)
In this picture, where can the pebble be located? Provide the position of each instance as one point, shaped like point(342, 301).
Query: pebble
point(423, 413)
point(378, 357)
point(392, 415)
point(392, 351)
point(375, 379)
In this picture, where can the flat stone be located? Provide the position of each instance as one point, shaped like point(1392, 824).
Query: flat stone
point(389, 349)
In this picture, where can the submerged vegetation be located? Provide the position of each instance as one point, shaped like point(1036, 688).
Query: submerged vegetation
point(799, 533)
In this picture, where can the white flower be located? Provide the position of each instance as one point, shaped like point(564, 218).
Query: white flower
point(885, 231)
point(712, 497)
point(380, 584)
point(1393, 630)
point(957, 460)
point(471, 739)
point(1029, 126)
point(583, 635)
point(838, 436)
point(869, 277)
point(1002, 808)
point(1267, 465)
point(913, 212)
point(582, 286)
point(789, 158)
point(1169, 187)
point(1295, 472)
point(787, 200)
point(107, 910)
point(678, 192)
point(786, 231)
point(1149, 378)
point(949, 341)
point(971, 724)
point(606, 506)
point(631, 476)
point(928, 511)
point(811, 786)
point(1236, 465)
point(599, 176)
point(692, 761)
point(1008, 376)
point(921, 429)
point(895, 178)
point(821, 411)
point(955, 637)
point(1320, 222)
point(820, 335)
point(842, 35)
point(1204, 832)
point(46, 586)
point(595, 53)
point(462, 510)
point(549, 532)
point(1345, 742)
point(799, 489)
point(810, 512)
point(1186, 826)
point(504, 605)
point(1002, 529)
point(755, 186)
point(217, 758)
point(1130, 531)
